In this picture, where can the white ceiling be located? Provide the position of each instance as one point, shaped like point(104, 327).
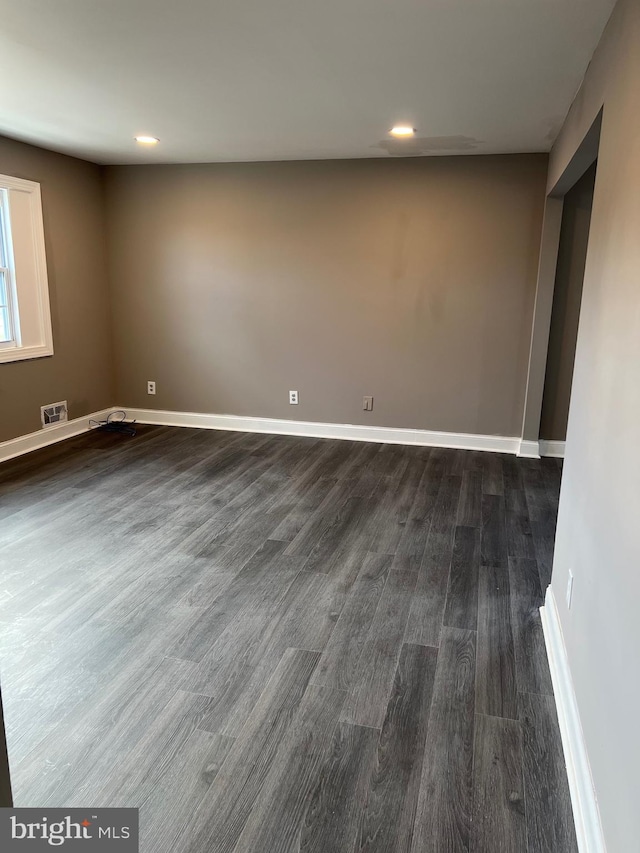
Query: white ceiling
point(222, 80)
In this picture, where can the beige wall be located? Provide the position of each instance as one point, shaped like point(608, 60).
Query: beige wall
point(597, 536)
point(572, 256)
point(412, 281)
point(80, 371)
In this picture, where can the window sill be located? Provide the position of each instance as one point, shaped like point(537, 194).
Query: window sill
point(9, 354)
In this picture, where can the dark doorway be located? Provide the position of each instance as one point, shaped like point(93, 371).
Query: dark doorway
point(567, 298)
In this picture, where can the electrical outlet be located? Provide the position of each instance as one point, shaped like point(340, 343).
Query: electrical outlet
point(293, 398)
point(367, 404)
point(569, 590)
point(151, 387)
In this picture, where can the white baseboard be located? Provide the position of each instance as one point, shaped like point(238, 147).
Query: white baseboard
point(552, 448)
point(536, 449)
point(50, 435)
point(350, 432)
point(583, 795)
point(528, 449)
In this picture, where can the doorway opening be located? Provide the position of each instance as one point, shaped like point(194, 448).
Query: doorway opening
point(565, 313)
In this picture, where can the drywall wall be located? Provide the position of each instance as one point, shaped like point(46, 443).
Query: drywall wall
point(412, 281)
point(572, 256)
point(597, 537)
point(80, 370)
point(541, 321)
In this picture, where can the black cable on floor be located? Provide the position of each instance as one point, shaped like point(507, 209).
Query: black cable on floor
point(115, 423)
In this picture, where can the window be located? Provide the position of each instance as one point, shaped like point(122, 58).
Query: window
point(25, 318)
point(7, 336)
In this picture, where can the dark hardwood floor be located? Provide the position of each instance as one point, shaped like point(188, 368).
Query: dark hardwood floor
point(275, 644)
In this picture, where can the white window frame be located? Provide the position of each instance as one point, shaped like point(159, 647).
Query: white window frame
point(26, 271)
point(6, 269)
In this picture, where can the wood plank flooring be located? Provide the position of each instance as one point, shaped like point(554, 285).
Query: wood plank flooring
point(274, 644)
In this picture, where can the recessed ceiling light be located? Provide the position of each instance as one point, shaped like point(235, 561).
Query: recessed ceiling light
point(147, 140)
point(402, 130)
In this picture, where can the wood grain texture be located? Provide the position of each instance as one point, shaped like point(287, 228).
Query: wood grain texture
point(444, 810)
point(514, 495)
point(387, 523)
point(496, 688)
point(470, 506)
point(332, 818)
point(461, 609)
point(492, 474)
point(168, 809)
point(411, 546)
point(301, 503)
point(519, 536)
point(340, 661)
point(543, 530)
point(268, 642)
point(532, 667)
point(427, 608)
point(391, 801)
point(549, 816)
point(261, 579)
point(109, 720)
point(304, 618)
point(366, 702)
point(163, 740)
point(276, 820)
point(229, 803)
point(298, 616)
point(498, 793)
point(494, 532)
